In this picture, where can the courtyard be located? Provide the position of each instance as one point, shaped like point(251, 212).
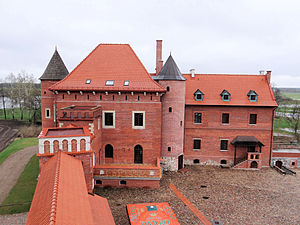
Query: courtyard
point(231, 196)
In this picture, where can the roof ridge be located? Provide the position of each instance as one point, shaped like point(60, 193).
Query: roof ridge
point(148, 74)
point(225, 74)
point(55, 191)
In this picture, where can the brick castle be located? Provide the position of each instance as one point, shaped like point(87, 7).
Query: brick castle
point(126, 125)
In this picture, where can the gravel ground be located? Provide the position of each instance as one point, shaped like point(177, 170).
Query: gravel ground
point(15, 219)
point(235, 196)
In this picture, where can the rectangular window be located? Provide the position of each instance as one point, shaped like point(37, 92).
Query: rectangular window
point(197, 144)
point(225, 118)
point(138, 119)
point(197, 117)
point(109, 83)
point(108, 119)
point(253, 119)
point(47, 113)
point(126, 82)
point(224, 145)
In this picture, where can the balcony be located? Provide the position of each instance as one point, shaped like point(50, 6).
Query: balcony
point(76, 113)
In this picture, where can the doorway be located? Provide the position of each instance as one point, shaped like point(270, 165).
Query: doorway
point(138, 154)
point(253, 164)
point(180, 162)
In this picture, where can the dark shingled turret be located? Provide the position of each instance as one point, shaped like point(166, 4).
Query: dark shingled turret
point(169, 71)
point(56, 69)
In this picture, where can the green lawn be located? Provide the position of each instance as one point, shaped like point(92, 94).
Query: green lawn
point(295, 96)
point(279, 123)
point(17, 145)
point(24, 189)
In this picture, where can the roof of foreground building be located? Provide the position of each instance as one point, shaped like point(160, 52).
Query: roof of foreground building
point(61, 196)
point(110, 67)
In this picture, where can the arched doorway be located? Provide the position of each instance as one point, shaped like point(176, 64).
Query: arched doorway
point(253, 164)
point(138, 154)
point(180, 162)
point(278, 163)
point(109, 151)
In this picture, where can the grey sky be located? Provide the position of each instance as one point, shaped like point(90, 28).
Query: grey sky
point(212, 36)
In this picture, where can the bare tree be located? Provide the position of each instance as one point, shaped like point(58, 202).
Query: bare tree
point(292, 116)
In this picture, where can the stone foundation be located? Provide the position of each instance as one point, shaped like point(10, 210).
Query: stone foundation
point(170, 163)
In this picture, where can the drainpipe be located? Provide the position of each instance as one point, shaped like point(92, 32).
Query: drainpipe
point(271, 141)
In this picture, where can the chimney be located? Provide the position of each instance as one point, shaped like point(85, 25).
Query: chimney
point(262, 72)
point(159, 62)
point(192, 71)
point(268, 76)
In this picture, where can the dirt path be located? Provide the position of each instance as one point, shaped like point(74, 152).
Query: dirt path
point(11, 169)
point(14, 219)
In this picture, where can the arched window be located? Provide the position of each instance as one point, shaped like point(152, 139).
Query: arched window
point(65, 145)
point(46, 147)
point(74, 145)
point(109, 151)
point(168, 88)
point(55, 146)
point(138, 154)
point(82, 145)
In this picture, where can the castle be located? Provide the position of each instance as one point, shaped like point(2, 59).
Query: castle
point(127, 125)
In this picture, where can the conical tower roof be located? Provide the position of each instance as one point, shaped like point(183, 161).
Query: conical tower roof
point(56, 69)
point(170, 71)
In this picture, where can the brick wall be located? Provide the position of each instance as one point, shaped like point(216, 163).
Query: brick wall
point(47, 101)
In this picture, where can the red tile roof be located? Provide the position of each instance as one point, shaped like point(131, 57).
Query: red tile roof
point(116, 62)
point(237, 85)
point(69, 131)
point(61, 195)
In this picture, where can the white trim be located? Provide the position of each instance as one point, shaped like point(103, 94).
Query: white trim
point(200, 144)
point(47, 109)
point(144, 119)
point(103, 119)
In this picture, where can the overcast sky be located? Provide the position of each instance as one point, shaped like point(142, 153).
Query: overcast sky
point(211, 36)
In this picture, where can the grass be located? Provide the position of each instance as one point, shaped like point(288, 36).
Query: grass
point(17, 113)
point(24, 189)
point(295, 96)
point(17, 145)
point(280, 123)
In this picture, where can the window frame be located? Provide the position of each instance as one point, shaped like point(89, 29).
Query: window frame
point(103, 119)
point(228, 119)
point(225, 93)
point(197, 139)
point(198, 93)
point(250, 118)
point(110, 83)
point(200, 119)
point(224, 150)
point(47, 110)
point(126, 83)
point(133, 120)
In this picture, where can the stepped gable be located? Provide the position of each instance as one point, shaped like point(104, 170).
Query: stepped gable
point(61, 196)
point(212, 85)
point(109, 62)
point(170, 71)
point(56, 69)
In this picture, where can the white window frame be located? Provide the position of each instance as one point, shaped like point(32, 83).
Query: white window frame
point(103, 119)
point(224, 150)
point(47, 109)
point(144, 119)
point(197, 150)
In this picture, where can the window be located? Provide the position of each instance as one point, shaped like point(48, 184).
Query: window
point(109, 83)
point(223, 161)
point(196, 161)
point(98, 182)
point(108, 119)
point(225, 118)
point(47, 113)
point(138, 154)
point(170, 109)
point(109, 151)
point(198, 95)
point(253, 119)
point(252, 96)
point(197, 144)
point(138, 119)
point(224, 145)
point(88, 97)
point(123, 182)
point(197, 117)
point(126, 82)
point(225, 95)
point(169, 149)
point(168, 88)
point(75, 96)
point(63, 96)
point(88, 81)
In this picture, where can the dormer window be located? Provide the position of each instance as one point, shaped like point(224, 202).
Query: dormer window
point(225, 95)
point(88, 81)
point(252, 96)
point(126, 82)
point(109, 83)
point(198, 95)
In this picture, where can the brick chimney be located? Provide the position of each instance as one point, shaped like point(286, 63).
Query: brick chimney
point(268, 76)
point(159, 62)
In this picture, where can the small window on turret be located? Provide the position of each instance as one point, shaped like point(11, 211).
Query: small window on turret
point(126, 82)
point(88, 81)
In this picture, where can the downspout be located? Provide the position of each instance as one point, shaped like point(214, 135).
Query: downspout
point(271, 141)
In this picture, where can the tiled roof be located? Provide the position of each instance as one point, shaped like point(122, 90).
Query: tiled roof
point(61, 195)
point(56, 69)
point(211, 85)
point(106, 62)
point(170, 71)
point(68, 131)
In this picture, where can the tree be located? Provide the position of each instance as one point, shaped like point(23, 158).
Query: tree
point(292, 116)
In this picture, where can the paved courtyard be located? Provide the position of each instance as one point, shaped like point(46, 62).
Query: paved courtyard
point(231, 196)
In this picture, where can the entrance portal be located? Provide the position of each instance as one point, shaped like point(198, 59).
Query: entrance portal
point(180, 162)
